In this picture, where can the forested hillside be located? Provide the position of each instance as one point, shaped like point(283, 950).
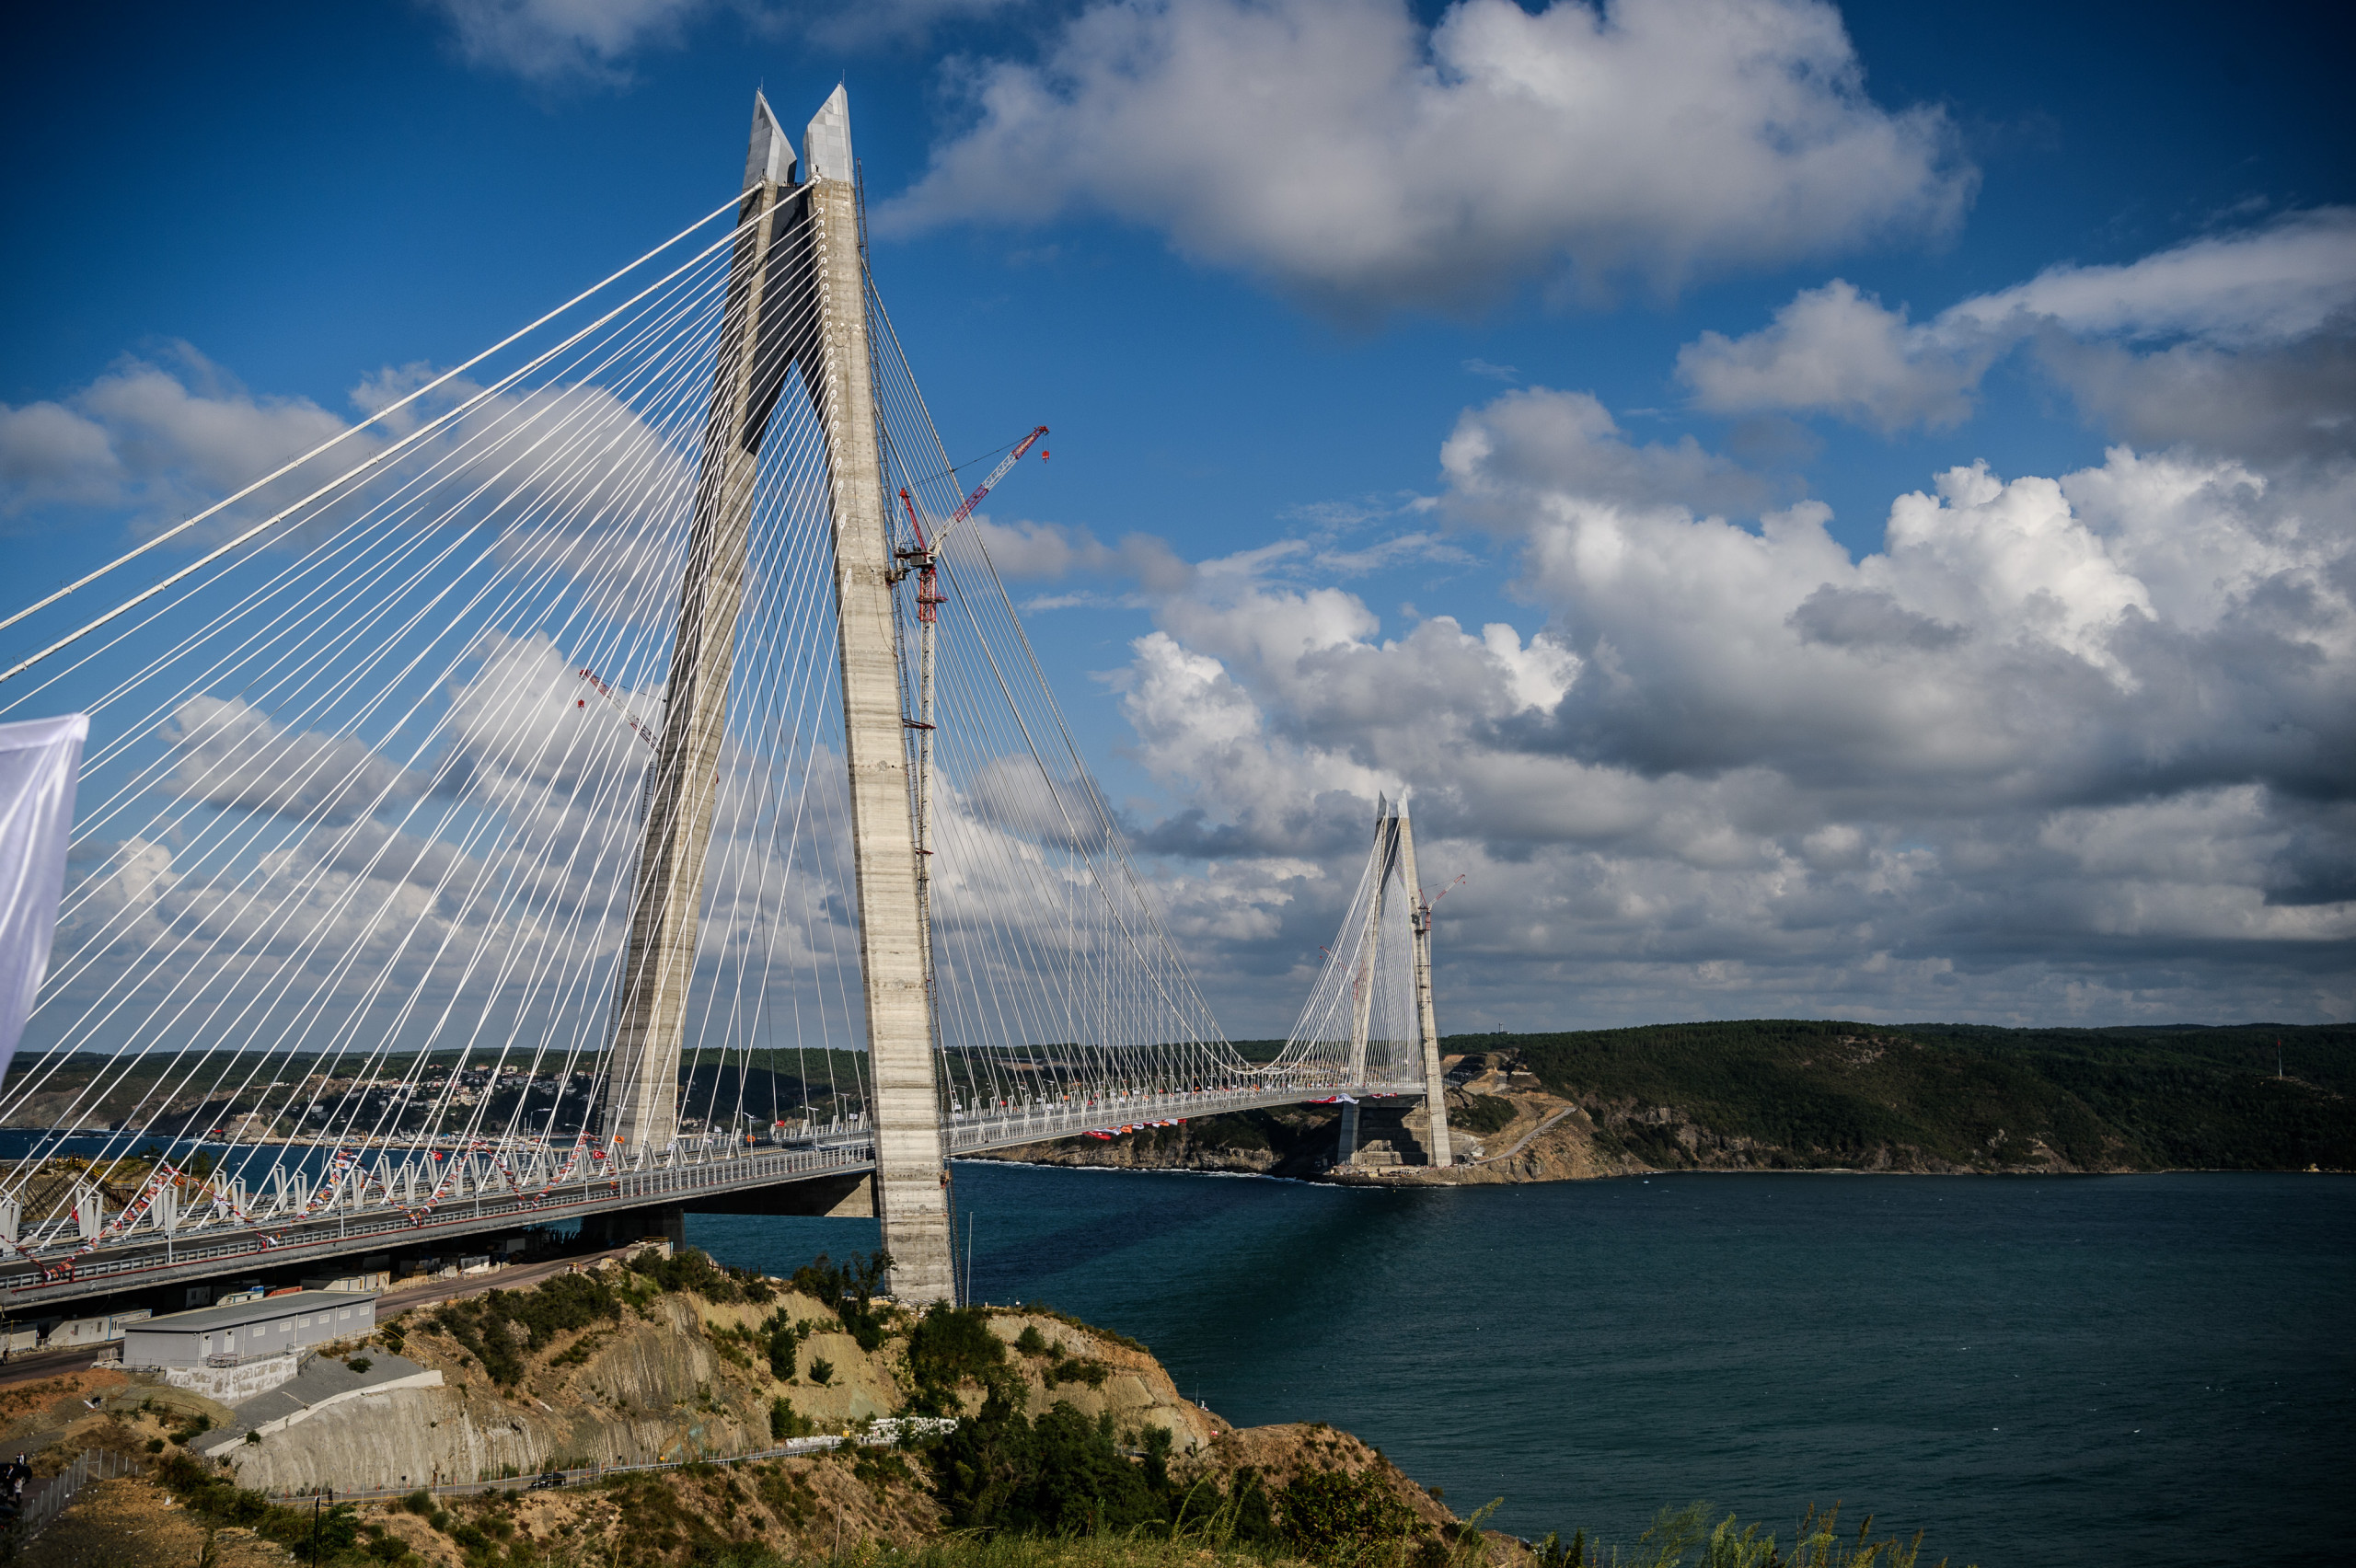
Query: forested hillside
point(1793, 1093)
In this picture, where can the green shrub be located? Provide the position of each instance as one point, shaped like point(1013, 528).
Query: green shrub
point(1077, 1369)
point(848, 1289)
point(784, 1341)
point(1337, 1515)
point(502, 1326)
point(785, 1422)
point(692, 1271)
point(822, 1371)
point(949, 1347)
point(1480, 1114)
point(325, 1533)
point(1060, 1475)
point(789, 1497)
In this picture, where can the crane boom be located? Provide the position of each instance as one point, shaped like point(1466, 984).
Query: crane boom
point(923, 560)
point(645, 732)
point(965, 508)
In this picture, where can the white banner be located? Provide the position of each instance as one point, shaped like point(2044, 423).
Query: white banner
point(38, 761)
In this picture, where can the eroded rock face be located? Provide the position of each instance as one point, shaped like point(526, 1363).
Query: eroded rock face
point(1282, 1454)
point(1135, 1389)
point(651, 1387)
point(672, 1381)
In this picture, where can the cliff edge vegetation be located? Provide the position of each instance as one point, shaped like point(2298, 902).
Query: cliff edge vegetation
point(1071, 1449)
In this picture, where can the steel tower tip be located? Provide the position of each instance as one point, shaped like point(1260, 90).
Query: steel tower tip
point(826, 147)
point(771, 153)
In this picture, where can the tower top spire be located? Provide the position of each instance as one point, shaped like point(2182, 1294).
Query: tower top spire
point(826, 148)
point(771, 155)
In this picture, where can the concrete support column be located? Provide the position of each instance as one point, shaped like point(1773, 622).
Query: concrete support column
point(1436, 1141)
point(912, 1174)
point(1370, 954)
point(797, 297)
point(642, 1110)
point(1370, 943)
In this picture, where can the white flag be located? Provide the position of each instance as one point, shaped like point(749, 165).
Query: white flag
point(38, 761)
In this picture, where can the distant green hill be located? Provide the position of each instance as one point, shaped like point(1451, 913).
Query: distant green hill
point(1782, 1093)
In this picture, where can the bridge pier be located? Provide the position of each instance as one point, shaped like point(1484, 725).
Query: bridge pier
point(1419, 925)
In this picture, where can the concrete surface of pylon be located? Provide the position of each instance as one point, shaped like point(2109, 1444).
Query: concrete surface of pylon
point(1419, 915)
point(641, 1109)
point(911, 1174)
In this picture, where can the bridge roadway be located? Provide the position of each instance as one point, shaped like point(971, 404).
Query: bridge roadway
point(725, 1180)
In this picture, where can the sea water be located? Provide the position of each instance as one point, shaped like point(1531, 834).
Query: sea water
point(2086, 1370)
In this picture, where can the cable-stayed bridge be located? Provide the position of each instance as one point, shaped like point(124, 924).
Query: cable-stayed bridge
point(610, 780)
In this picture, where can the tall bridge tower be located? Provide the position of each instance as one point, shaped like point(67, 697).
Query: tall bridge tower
point(796, 301)
point(1394, 859)
point(402, 1073)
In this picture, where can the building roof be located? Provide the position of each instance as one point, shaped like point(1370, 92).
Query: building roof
point(203, 1319)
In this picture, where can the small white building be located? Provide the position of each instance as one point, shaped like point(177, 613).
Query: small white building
point(244, 1331)
point(75, 1332)
point(359, 1283)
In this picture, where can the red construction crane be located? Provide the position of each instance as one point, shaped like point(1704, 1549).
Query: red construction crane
point(645, 732)
point(1423, 916)
point(927, 552)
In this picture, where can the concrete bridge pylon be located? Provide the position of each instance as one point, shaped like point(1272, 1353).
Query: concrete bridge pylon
point(796, 301)
point(1419, 928)
point(1394, 858)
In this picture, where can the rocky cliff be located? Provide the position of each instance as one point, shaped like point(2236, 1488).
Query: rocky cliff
point(677, 1376)
point(691, 1363)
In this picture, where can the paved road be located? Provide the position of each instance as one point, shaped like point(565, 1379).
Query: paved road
point(1527, 1138)
point(30, 1366)
point(514, 1277)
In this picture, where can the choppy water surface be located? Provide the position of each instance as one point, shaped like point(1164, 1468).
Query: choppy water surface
point(2145, 1370)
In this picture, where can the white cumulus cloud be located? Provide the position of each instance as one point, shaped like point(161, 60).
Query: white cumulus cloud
point(2235, 343)
point(2071, 745)
point(555, 40)
point(163, 435)
point(1357, 156)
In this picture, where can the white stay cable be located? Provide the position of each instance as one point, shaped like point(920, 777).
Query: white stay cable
point(378, 416)
point(338, 482)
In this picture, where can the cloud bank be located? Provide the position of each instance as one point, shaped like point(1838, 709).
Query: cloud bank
point(1362, 160)
point(2242, 342)
point(2077, 745)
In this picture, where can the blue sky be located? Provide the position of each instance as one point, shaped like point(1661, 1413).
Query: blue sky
point(2075, 749)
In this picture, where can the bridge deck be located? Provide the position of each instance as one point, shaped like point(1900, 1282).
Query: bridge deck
point(144, 1257)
